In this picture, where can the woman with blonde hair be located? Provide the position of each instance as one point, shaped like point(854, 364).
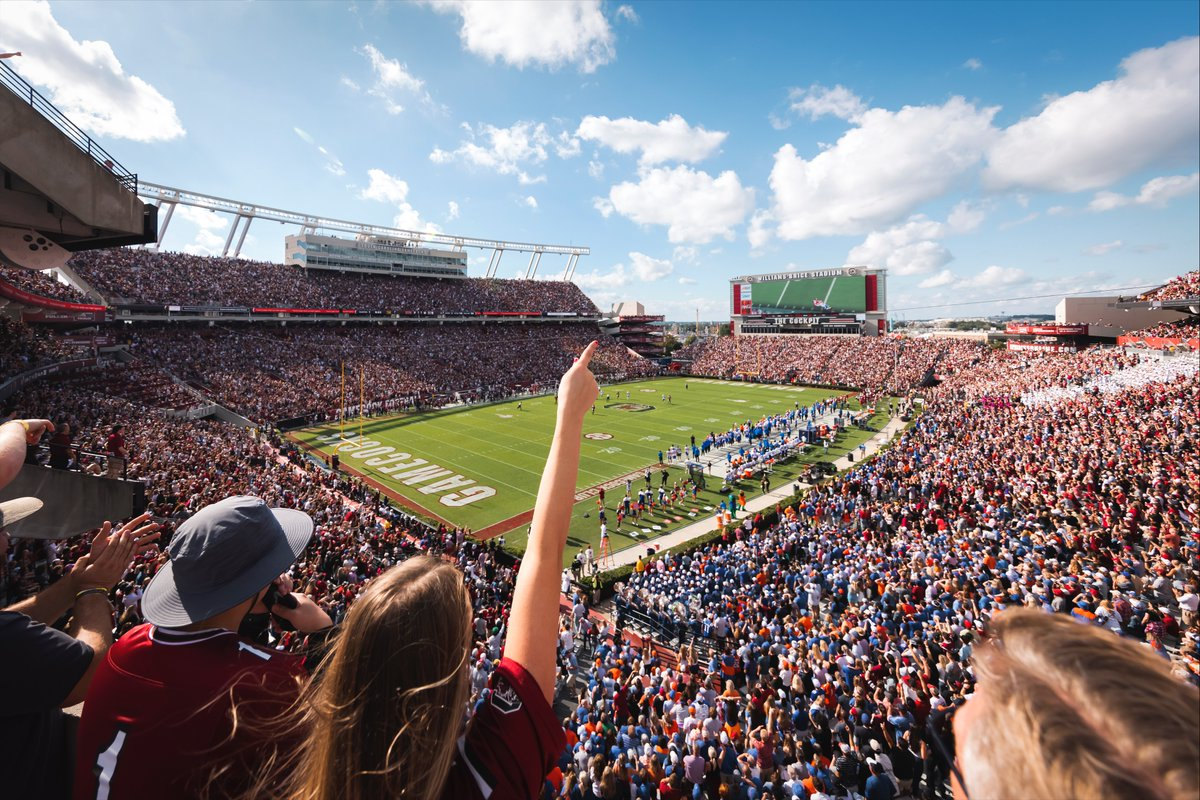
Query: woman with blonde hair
point(383, 716)
point(1067, 709)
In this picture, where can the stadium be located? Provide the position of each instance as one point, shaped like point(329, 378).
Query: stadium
point(771, 562)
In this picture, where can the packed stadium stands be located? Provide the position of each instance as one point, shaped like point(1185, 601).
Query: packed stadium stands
point(140, 276)
point(1179, 288)
point(271, 374)
point(805, 641)
point(23, 348)
point(41, 284)
point(893, 365)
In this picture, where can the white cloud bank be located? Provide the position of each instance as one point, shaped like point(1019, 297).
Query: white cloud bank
point(85, 79)
point(540, 33)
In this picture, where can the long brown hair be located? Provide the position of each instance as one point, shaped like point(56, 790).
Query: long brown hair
point(381, 716)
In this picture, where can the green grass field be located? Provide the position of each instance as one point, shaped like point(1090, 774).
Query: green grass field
point(479, 467)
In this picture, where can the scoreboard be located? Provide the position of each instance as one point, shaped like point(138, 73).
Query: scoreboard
point(848, 290)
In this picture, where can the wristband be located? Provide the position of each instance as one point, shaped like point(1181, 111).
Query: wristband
point(92, 590)
point(22, 423)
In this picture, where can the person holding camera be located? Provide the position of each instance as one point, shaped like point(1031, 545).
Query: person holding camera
point(181, 705)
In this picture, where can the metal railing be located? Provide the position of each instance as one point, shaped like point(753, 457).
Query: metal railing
point(21, 88)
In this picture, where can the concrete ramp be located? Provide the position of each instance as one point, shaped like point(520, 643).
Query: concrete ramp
point(73, 502)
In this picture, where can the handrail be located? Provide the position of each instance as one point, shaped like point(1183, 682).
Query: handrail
point(21, 88)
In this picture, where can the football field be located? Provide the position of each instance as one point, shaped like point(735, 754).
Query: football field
point(479, 466)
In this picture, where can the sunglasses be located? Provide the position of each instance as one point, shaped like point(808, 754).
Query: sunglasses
point(941, 733)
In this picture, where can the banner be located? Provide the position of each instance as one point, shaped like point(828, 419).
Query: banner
point(1043, 347)
point(22, 296)
point(1046, 329)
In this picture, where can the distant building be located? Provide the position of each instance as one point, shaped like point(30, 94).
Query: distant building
point(373, 254)
point(630, 325)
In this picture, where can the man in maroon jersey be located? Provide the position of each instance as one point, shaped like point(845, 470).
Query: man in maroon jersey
point(159, 720)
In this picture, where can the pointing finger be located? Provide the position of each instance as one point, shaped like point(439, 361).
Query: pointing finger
point(586, 356)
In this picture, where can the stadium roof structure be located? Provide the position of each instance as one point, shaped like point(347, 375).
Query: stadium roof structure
point(244, 213)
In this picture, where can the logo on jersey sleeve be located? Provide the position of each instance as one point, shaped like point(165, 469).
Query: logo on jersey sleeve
point(504, 697)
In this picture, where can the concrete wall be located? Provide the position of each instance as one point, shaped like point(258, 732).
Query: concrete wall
point(73, 502)
point(42, 155)
point(1102, 320)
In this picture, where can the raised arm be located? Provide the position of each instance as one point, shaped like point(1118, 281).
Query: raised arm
point(533, 623)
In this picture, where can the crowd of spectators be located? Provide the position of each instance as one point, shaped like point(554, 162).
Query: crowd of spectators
point(1184, 286)
point(23, 348)
point(817, 646)
point(1184, 330)
point(139, 276)
point(894, 365)
point(268, 373)
point(42, 284)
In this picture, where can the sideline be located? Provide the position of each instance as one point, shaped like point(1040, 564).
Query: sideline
point(630, 555)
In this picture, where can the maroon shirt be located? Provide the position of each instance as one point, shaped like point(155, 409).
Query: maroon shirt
point(510, 745)
point(157, 716)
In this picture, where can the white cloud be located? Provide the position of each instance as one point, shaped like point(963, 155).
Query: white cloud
point(385, 188)
point(973, 64)
point(507, 151)
point(546, 33)
point(684, 280)
point(759, 233)
point(943, 278)
point(209, 239)
point(602, 205)
point(627, 13)
point(567, 146)
point(616, 277)
point(879, 171)
point(694, 206)
point(671, 139)
point(1088, 139)
point(997, 276)
point(964, 218)
point(818, 101)
point(683, 254)
point(333, 164)
point(649, 269)
point(85, 79)
point(913, 248)
point(530, 201)
point(349, 84)
point(391, 78)
point(1104, 249)
point(1156, 192)
point(451, 211)
point(644, 270)
point(596, 169)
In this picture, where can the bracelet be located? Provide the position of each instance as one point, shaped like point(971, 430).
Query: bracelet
point(92, 590)
point(22, 423)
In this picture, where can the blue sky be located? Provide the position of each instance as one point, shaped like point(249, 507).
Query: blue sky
point(980, 151)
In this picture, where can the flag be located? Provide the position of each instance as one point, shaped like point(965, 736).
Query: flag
point(9, 55)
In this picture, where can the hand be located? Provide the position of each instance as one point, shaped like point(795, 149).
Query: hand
point(282, 584)
point(306, 617)
point(112, 553)
point(34, 428)
point(577, 391)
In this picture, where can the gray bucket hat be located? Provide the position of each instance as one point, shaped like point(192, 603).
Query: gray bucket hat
point(18, 509)
point(221, 556)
